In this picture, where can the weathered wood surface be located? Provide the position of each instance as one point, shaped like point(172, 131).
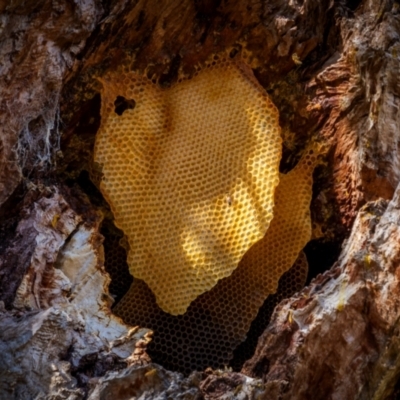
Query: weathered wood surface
point(337, 339)
point(341, 333)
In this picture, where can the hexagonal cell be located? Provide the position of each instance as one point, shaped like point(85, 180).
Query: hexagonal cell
point(220, 319)
point(198, 135)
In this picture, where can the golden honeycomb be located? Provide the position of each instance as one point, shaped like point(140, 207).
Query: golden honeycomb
point(190, 174)
point(219, 320)
point(291, 281)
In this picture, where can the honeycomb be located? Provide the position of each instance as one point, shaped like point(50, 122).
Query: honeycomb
point(190, 174)
point(219, 320)
point(291, 281)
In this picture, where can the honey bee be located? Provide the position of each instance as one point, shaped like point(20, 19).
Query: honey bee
point(296, 59)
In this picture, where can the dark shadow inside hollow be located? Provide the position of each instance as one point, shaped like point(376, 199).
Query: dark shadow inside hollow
point(82, 126)
point(115, 261)
point(353, 4)
point(14, 263)
point(321, 255)
point(122, 104)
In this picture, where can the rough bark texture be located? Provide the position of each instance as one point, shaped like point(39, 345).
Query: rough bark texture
point(331, 69)
point(38, 43)
point(343, 323)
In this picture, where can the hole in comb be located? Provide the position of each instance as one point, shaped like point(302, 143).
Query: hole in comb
point(122, 104)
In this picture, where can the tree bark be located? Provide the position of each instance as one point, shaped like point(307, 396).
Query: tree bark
point(330, 67)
